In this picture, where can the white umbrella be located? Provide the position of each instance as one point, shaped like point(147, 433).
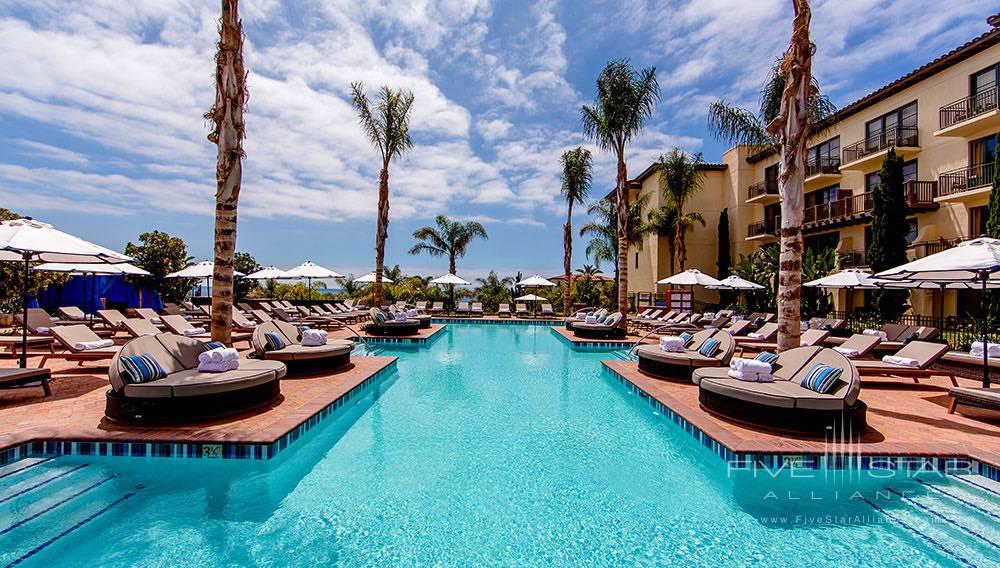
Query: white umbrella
point(849, 279)
point(734, 282)
point(91, 268)
point(451, 279)
point(370, 277)
point(267, 273)
point(690, 277)
point(203, 269)
point(310, 270)
point(535, 281)
point(28, 241)
point(528, 298)
point(976, 261)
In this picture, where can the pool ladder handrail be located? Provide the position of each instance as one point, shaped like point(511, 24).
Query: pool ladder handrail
point(359, 336)
point(643, 338)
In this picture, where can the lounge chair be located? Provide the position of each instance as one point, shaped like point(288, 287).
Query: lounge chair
point(73, 314)
point(421, 305)
point(384, 324)
point(148, 313)
point(643, 314)
point(172, 309)
point(334, 355)
point(437, 307)
point(892, 331)
point(181, 326)
point(923, 352)
point(575, 319)
point(678, 366)
point(808, 338)
point(607, 329)
point(911, 333)
point(978, 396)
point(476, 309)
point(463, 308)
point(858, 346)
point(137, 327)
point(738, 328)
point(784, 403)
point(548, 311)
point(41, 323)
point(72, 337)
point(503, 310)
point(24, 378)
point(241, 322)
point(112, 318)
point(521, 310)
point(765, 334)
point(15, 342)
point(261, 316)
point(186, 393)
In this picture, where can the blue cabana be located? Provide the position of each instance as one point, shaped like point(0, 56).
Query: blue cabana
point(87, 292)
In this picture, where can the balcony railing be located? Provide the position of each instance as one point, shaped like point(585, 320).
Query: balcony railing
point(853, 259)
point(921, 249)
point(764, 228)
point(918, 195)
point(823, 166)
point(964, 179)
point(766, 187)
point(899, 136)
point(969, 107)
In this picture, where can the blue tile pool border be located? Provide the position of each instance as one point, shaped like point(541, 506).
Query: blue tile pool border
point(776, 461)
point(379, 340)
point(610, 345)
point(507, 321)
point(196, 450)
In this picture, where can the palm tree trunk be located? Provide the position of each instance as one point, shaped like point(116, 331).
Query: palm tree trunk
point(679, 246)
point(793, 124)
point(381, 230)
point(621, 192)
point(567, 258)
point(227, 114)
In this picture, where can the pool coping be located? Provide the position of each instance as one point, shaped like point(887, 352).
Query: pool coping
point(580, 344)
point(493, 320)
point(263, 449)
point(739, 454)
point(385, 340)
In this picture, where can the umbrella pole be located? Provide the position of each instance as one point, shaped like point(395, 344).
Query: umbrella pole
point(309, 293)
point(986, 344)
point(24, 314)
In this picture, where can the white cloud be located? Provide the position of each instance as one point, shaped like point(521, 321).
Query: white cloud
point(492, 130)
point(41, 150)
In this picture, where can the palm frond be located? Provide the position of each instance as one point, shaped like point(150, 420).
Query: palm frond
point(737, 126)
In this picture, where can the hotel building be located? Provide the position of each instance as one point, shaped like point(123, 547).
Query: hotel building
point(941, 118)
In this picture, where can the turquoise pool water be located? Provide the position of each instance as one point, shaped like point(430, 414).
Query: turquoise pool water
point(494, 445)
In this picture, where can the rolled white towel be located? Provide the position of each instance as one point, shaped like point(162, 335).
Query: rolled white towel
point(902, 361)
point(400, 316)
point(78, 317)
point(210, 355)
point(88, 345)
point(314, 337)
point(218, 366)
point(591, 319)
point(412, 313)
point(993, 349)
point(847, 351)
point(750, 377)
point(804, 326)
point(42, 329)
point(193, 331)
point(157, 321)
point(230, 354)
point(877, 332)
point(581, 316)
point(755, 335)
point(672, 344)
point(752, 366)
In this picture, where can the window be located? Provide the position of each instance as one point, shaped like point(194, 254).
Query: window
point(982, 151)
point(825, 155)
point(977, 220)
point(821, 196)
point(772, 216)
point(909, 174)
point(771, 175)
point(824, 242)
point(984, 80)
point(911, 233)
point(898, 127)
point(637, 260)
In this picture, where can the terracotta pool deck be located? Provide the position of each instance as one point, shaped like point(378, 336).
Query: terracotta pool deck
point(903, 419)
point(75, 411)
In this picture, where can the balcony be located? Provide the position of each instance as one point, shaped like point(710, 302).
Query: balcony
point(965, 183)
point(764, 192)
point(822, 172)
point(764, 230)
point(921, 249)
point(853, 259)
point(855, 209)
point(971, 117)
point(869, 153)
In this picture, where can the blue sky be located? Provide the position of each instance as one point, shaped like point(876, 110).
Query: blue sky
point(101, 103)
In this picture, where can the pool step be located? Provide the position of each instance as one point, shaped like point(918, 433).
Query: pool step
point(57, 500)
point(946, 515)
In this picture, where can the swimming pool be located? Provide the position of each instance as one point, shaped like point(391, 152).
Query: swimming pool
point(495, 444)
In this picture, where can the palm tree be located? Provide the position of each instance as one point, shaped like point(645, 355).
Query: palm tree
point(603, 233)
point(493, 290)
point(625, 99)
point(575, 188)
point(681, 177)
point(792, 109)
point(664, 222)
point(387, 127)
point(227, 134)
point(450, 238)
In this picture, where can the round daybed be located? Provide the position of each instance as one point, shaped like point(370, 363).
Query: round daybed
point(185, 393)
point(334, 355)
point(383, 325)
point(784, 404)
point(679, 366)
point(608, 329)
point(572, 320)
point(424, 319)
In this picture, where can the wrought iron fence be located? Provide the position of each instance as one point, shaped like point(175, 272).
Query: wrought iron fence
point(905, 136)
point(968, 107)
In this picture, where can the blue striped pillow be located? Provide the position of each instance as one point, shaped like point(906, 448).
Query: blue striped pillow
point(213, 345)
point(821, 378)
point(709, 347)
point(274, 341)
point(141, 369)
point(687, 337)
point(767, 357)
